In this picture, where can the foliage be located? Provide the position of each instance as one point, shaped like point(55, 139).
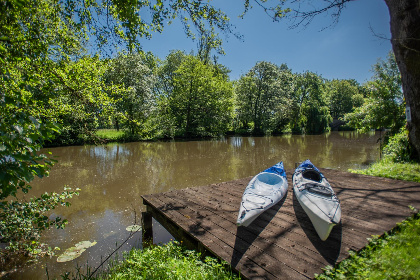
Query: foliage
point(273, 99)
point(207, 42)
point(21, 137)
point(384, 106)
point(134, 74)
point(21, 223)
point(164, 88)
point(35, 37)
point(199, 100)
point(81, 102)
point(344, 97)
point(261, 96)
point(397, 148)
point(310, 105)
point(170, 261)
point(129, 21)
point(391, 256)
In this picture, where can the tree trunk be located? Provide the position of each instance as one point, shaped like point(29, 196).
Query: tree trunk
point(405, 31)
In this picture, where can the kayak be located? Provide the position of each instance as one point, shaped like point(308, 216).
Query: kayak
point(317, 198)
point(263, 191)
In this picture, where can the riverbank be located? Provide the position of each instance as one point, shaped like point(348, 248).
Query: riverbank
point(394, 255)
point(167, 261)
point(107, 136)
point(388, 169)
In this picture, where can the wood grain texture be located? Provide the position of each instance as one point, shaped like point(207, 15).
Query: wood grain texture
point(282, 243)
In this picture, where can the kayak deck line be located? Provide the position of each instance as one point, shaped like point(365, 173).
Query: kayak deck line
point(282, 242)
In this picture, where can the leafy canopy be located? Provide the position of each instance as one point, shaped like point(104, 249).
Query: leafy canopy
point(384, 105)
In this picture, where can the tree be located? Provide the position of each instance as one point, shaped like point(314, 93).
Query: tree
point(258, 96)
point(310, 113)
point(81, 102)
point(405, 22)
point(288, 83)
point(344, 97)
point(135, 102)
point(207, 42)
point(201, 101)
point(384, 106)
point(405, 40)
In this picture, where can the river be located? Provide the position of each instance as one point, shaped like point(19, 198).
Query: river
point(113, 177)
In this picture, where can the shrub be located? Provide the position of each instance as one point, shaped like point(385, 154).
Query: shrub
point(21, 224)
point(170, 261)
point(398, 148)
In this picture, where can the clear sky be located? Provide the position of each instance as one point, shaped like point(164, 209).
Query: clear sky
point(346, 50)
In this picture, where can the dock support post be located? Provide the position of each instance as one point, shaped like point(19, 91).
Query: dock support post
point(147, 228)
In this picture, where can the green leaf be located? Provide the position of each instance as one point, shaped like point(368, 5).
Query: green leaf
point(85, 244)
point(133, 228)
point(70, 254)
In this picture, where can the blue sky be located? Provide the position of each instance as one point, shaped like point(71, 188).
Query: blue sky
point(346, 50)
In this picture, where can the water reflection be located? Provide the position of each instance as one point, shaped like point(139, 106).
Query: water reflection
point(113, 177)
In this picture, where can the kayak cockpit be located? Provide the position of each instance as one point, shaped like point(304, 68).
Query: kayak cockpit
point(312, 174)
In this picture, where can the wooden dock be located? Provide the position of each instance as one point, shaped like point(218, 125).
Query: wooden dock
point(281, 243)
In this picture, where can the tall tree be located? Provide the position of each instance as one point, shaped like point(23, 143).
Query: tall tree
point(311, 112)
point(258, 94)
point(201, 101)
point(344, 97)
point(287, 82)
point(209, 41)
point(135, 103)
point(384, 105)
point(166, 73)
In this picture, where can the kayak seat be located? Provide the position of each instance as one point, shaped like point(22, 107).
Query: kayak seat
point(311, 174)
point(320, 190)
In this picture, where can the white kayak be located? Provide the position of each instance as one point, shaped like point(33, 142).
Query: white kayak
point(317, 198)
point(263, 191)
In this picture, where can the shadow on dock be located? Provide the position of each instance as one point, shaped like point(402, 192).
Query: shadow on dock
point(330, 248)
point(245, 236)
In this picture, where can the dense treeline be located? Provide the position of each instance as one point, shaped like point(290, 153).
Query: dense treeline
point(191, 96)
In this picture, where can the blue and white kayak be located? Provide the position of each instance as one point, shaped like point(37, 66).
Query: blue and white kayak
point(263, 191)
point(317, 198)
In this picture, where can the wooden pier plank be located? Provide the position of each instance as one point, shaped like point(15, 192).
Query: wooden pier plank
point(282, 243)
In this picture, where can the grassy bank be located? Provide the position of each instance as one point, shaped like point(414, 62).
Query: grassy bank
point(110, 135)
point(170, 261)
point(395, 255)
point(388, 169)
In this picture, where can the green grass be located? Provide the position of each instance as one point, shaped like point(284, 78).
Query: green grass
point(170, 261)
point(395, 255)
point(389, 169)
point(110, 134)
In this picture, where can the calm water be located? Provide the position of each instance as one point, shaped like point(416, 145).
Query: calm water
point(113, 177)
